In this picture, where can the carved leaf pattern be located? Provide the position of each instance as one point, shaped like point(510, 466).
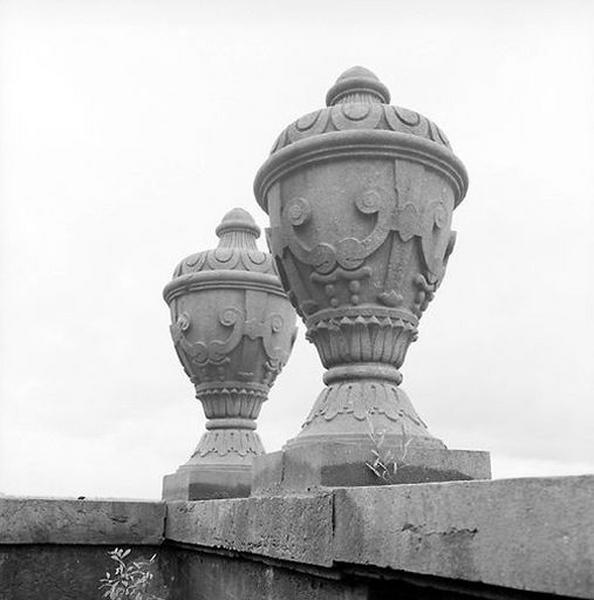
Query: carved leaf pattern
point(228, 441)
point(363, 398)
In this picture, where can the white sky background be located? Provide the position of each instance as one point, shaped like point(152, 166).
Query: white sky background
point(127, 130)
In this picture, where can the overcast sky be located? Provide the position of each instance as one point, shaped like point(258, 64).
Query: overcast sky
point(127, 130)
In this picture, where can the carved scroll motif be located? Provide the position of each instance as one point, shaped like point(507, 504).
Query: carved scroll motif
point(349, 252)
point(406, 214)
point(216, 351)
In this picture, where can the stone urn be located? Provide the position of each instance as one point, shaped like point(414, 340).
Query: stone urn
point(360, 197)
point(233, 329)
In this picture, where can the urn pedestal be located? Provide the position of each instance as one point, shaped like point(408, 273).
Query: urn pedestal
point(233, 329)
point(360, 197)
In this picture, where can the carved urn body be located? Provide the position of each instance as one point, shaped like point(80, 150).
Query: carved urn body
point(360, 197)
point(233, 329)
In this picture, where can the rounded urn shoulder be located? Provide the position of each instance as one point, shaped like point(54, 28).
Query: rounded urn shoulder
point(359, 100)
point(237, 250)
point(357, 116)
point(232, 259)
point(235, 263)
point(359, 121)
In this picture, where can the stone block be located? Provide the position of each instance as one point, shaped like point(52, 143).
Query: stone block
point(307, 468)
point(288, 528)
point(66, 521)
point(206, 482)
point(525, 534)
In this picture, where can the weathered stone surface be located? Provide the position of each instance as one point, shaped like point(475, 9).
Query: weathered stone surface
point(360, 197)
point(64, 521)
point(268, 475)
point(49, 572)
point(290, 528)
point(233, 329)
point(200, 576)
point(526, 534)
point(307, 468)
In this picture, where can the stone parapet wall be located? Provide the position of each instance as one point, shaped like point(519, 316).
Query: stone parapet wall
point(525, 534)
point(521, 538)
point(520, 535)
point(58, 572)
point(56, 549)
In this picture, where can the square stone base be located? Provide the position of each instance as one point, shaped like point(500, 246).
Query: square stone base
point(207, 483)
point(306, 468)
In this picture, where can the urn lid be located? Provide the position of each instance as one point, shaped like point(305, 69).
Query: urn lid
point(236, 251)
point(359, 100)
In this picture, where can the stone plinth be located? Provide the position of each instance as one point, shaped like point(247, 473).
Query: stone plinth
point(205, 482)
point(307, 468)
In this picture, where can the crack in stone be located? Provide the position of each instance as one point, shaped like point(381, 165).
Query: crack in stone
point(452, 531)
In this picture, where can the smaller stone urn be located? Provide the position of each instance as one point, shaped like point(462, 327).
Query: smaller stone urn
point(233, 329)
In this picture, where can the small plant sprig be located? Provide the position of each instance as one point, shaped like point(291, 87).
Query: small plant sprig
point(386, 460)
point(131, 579)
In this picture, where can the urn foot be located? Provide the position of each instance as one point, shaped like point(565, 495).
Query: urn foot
point(360, 403)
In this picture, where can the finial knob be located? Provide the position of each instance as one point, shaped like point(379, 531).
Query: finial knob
point(358, 84)
point(238, 220)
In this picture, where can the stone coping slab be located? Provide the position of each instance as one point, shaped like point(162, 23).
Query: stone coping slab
point(26, 520)
point(530, 534)
point(290, 528)
point(533, 534)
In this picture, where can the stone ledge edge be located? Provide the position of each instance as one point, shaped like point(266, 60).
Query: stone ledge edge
point(31, 520)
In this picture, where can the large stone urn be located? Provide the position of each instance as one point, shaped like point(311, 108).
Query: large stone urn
point(233, 329)
point(360, 197)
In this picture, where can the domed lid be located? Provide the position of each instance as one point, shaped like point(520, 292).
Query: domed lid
point(237, 249)
point(359, 100)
